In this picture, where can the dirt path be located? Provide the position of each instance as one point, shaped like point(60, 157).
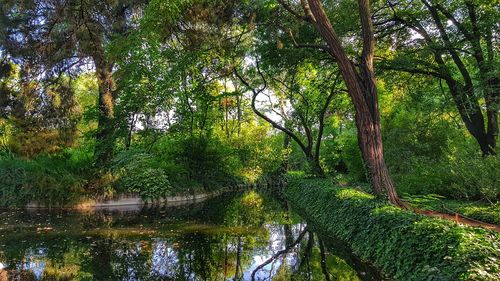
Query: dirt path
point(459, 219)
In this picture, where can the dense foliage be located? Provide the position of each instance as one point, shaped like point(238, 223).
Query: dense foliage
point(51, 180)
point(100, 99)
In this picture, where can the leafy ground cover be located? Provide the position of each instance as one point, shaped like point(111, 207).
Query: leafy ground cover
point(404, 245)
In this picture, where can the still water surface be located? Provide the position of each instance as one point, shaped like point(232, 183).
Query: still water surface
point(237, 236)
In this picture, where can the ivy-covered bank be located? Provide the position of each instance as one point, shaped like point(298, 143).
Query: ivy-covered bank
point(404, 245)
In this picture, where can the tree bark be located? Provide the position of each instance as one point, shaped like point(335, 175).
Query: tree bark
point(492, 99)
point(491, 83)
point(314, 163)
point(105, 129)
point(363, 93)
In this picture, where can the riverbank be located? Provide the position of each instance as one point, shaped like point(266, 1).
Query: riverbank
point(134, 202)
point(404, 245)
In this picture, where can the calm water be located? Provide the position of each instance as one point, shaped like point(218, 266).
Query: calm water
point(231, 237)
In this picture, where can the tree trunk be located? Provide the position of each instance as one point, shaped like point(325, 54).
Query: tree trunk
point(238, 104)
point(313, 161)
point(286, 146)
point(105, 129)
point(491, 82)
point(492, 102)
point(370, 144)
point(470, 113)
point(130, 130)
point(492, 99)
point(363, 93)
point(314, 165)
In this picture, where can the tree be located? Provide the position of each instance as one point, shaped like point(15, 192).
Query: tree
point(43, 115)
point(303, 88)
point(360, 81)
point(450, 41)
point(59, 35)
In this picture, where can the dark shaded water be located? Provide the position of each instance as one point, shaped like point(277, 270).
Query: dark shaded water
point(225, 238)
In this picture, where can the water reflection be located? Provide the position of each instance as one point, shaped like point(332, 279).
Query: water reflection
point(243, 236)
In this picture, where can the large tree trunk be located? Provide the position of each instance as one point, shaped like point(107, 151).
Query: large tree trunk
point(492, 102)
point(370, 144)
point(363, 93)
point(491, 83)
point(103, 151)
point(470, 113)
point(314, 164)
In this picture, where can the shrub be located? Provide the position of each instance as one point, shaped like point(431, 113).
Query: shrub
point(476, 177)
point(138, 172)
point(204, 162)
point(404, 245)
point(51, 180)
point(352, 156)
point(208, 161)
point(466, 176)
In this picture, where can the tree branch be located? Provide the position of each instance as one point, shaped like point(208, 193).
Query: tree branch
point(322, 114)
point(293, 12)
point(310, 46)
point(262, 115)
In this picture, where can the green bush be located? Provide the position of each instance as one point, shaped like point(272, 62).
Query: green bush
point(352, 156)
point(202, 162)
point(465, 176)
point(476, 177)
point(50, 180)
point(404, 245)
point(425, 150)
point(209, 162)
point(139, 172)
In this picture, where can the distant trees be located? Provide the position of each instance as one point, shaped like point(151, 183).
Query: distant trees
point(303, 95)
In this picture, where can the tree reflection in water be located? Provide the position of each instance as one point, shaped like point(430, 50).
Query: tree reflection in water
point(243, 236)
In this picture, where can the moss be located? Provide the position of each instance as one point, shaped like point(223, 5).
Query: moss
point(404, 245)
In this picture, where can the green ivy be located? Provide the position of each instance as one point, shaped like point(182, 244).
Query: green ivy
point(404, 245)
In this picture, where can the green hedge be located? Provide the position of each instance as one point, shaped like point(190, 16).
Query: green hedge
point(404, 245)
